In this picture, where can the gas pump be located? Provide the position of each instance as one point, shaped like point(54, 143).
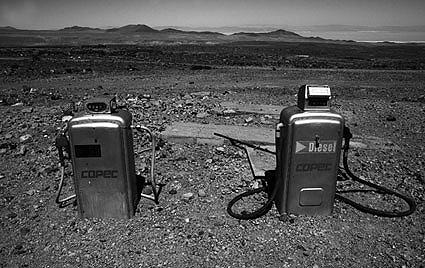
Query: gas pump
point(309, 140)
point(99, 144)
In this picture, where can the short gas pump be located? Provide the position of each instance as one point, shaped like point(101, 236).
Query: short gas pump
point(309, 141)
point(99, 144)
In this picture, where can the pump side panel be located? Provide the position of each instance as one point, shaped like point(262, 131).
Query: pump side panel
point(133, 189)
point(100, 174)
point(313, 165)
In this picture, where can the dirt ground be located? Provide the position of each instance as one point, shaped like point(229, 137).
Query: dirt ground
point(197, 231)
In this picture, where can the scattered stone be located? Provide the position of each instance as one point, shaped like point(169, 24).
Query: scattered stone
point(8, 136)
point(249, 120)
point(25, 138)
point(255, 185)
point(156, 102)
point(23, 149)
point(187, 97)
point(202, 115)
point(55, 96)
point(201, 94)
point(66, 118)
point(229, 112)
point(147, 190)
point(209, 161)
point(226, 191)
point(3, 151)
point(27, 110)
point(201, 193)
point(31, 192)
point(188, 196)
point(189, 103)
point(220, 149)
point(264, 121)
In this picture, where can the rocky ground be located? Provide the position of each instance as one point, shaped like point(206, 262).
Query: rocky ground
point(190, 226)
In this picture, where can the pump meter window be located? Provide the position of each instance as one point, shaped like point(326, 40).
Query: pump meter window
point(91, 150)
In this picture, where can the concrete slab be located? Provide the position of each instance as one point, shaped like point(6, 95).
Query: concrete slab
point(272, 110)
point(204, 134)
point(261, 161)
point(192, 133)
point(243, 108)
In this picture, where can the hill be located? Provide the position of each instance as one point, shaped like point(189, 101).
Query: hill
point(136, 34)
point(133, 28)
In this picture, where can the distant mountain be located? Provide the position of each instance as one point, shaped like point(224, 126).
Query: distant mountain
point(138, 34)
point(8, 29)
point(79, 29)
point(277, 33)
point(133, 28)
point(175, 31)
point(281, 32)
point(171, 30)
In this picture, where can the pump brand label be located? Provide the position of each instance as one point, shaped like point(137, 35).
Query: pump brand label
point(310, 167)
point(313, 147)
point(99, 174)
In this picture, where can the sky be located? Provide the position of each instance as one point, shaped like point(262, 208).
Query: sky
point(55, 14)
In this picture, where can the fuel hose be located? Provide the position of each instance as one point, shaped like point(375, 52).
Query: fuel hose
point(270, 176)
point(389, 214)
point(260, 211)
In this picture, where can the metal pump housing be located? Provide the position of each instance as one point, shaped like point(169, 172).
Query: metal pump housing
point(308, 147)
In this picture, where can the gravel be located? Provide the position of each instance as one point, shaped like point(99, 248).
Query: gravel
point(190, 227)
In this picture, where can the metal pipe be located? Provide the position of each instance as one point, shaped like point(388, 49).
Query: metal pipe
point(153, 181)
point(63, 202)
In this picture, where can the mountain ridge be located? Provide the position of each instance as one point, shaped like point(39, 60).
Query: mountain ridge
point(137, 34)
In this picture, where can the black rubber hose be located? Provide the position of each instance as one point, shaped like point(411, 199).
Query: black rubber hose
point(410, 202)
point(253, 215)
point(270, 177)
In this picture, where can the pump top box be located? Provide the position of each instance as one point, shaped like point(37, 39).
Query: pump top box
point(311, 98)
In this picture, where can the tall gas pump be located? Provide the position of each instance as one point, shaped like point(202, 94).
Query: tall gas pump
point(308, 148)
point(99, 144)
point(309, 141)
